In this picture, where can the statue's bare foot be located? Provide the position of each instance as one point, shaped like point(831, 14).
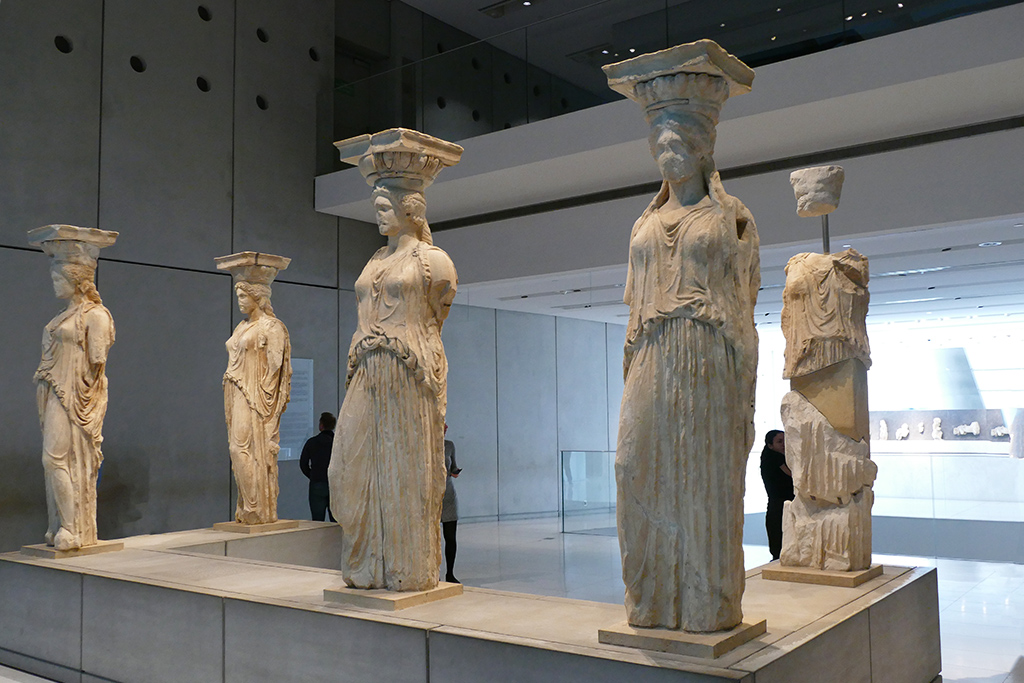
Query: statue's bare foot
point(65, 540)
point(48, 537)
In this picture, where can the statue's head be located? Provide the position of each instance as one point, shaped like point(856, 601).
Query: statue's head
point(253, 296)
point(400, 210)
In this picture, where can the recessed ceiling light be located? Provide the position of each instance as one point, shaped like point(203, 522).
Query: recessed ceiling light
point(604, 52)
point(632, 49)
point(989, 244)
point(847, 246)
point(1018, 225)
point(526, 3)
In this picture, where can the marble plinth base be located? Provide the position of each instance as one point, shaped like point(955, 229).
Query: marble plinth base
point(239, 528)
point(705, 645)
point(821, 577)
point(49, 552)
point(390, 601)
point(198, 605)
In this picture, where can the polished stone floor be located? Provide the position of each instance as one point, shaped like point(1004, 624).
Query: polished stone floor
point(981, 603)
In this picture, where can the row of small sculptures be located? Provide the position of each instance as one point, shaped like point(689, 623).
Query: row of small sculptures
point(686, 423)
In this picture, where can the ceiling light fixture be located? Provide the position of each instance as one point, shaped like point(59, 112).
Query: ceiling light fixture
point(989, 244)
point(499, 9)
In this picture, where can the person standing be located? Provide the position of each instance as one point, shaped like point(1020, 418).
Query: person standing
point(450, 510)
point(316, 456)
point(778, 484)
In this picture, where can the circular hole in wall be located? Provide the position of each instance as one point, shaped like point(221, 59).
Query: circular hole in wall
point(536, 91)
point(204, 13)
point(476, 63)
point(63, 43)
point(314, 55)
point(203, 84)
point(476, 115)
point(262, 35)
point(565, 103)
point(261, 102)
point(138, 63)
point(441, 103)
point(508, 78)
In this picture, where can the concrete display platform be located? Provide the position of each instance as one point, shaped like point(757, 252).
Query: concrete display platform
point(215, 606)
point(239, 528)
point(48, 551)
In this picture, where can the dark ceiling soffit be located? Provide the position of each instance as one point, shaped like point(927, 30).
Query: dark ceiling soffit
point(816, 159)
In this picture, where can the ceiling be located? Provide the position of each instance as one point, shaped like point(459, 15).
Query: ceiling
point(919, 214)
point(939, 273)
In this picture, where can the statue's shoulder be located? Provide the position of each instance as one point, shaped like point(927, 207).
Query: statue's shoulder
point(97, 314)
point(441, 265)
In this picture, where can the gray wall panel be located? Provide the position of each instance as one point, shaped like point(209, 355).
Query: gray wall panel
point(582, 385)
point(165, 443)
point(29, 303)
point(527, 422)
point(311, 315)
point(357, 242)
point(49, 141)
point(275, 152)
point(616, 339)
point(165, 166)
point(469, 343)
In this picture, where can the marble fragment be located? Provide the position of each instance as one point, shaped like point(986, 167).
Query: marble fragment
point(817, 189)
point(824, 307)
point(387, 473)
point(883, 430)
point(903, 432)
point(690, 355)
point(828, 524)
point(937, 428)
point(1017, 434)
point(71, 383)
point(257, 385)
point(972, 429)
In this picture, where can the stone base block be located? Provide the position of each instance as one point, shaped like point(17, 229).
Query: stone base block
point(821, 577)
point(51, 553)
point(390, 601)
point(239, 528)
point(706, 645)
point(840, 393)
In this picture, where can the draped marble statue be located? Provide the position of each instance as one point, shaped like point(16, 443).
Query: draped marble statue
point(387, 472)
point(257, 385)
point(71, 383)
point(825, 303)
point(686, 424)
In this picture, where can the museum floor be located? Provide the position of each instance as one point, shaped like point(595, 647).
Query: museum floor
point(981, 603)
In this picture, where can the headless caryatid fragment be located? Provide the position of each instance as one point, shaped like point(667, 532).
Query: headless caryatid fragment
point(71, 383)
point(828, 524)
point(686, 425)
point(387, 473)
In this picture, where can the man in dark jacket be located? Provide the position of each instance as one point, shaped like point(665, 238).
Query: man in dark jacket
point(316, 456)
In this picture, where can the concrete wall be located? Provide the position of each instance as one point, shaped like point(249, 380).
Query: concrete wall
point(184, 173)
point(521, 389)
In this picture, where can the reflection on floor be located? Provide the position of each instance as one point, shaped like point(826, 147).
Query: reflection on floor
point(981, 603)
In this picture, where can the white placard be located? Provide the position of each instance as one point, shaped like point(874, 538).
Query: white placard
point(297, 421)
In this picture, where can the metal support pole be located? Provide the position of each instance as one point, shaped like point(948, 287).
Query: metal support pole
point(824, 234)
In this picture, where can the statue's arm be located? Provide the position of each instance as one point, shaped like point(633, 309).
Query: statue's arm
point(443, 283)
point(277, 334)
point(99, 336)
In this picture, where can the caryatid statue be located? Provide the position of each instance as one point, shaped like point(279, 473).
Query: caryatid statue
point(387, 472)
point(257, 385)
point(72, 384)
point(825, 303)
point(686, 424)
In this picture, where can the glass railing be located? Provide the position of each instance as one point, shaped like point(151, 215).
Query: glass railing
point(519, 61)
point(588, 492)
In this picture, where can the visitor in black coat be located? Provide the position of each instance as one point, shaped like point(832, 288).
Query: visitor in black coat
point(778, 483)
point(316, 456)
